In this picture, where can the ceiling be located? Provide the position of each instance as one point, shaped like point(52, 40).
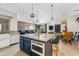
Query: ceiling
point(60, 10)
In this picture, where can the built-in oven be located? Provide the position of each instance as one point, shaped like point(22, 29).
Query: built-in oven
point(38, 47)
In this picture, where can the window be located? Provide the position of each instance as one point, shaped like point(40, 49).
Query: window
point(0, 27)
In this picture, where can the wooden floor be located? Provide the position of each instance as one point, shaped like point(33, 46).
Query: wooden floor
point(65, 50)
point(12, 51)
point(68, 50)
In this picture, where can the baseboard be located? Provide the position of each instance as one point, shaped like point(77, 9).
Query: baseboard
point(14, 44)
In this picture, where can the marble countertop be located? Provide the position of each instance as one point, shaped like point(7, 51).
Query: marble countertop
point(41, 37)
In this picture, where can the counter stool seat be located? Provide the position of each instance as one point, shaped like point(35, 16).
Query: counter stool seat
point(55, 48)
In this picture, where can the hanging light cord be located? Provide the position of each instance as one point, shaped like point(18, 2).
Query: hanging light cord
point(37, 16)
point(32, 14)
point(51, 11)
point(32, 7)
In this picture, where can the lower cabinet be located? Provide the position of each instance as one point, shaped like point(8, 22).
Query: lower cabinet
point(4, 40)
point(25, 45)
point(21, 43)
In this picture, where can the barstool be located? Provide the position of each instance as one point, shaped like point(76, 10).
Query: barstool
point(55, 48)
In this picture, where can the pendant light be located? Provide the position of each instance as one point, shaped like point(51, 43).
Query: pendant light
point(37, 17)
point(32, 14)
point(51, 11)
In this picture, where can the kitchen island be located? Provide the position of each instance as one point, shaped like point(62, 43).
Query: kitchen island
point(36, 45)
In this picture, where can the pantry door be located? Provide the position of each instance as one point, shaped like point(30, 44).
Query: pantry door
point(57, 28)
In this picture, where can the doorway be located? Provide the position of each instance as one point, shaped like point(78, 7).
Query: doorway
point(57, 28)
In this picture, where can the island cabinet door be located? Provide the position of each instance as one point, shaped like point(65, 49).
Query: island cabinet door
point(27, 46)
point(21, 43)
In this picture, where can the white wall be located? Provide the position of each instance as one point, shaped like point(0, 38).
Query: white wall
point(22, 18)
point(72, 24)
point(6, 12)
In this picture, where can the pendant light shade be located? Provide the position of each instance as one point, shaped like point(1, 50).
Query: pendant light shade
point(51, 11)
point(37, 17)
point(32, 15)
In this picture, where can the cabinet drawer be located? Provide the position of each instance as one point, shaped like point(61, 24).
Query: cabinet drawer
point(4, 43)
